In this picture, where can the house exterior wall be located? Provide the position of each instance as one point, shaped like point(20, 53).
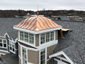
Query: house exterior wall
point(33, 56)
point(18, 34)
point(49, 52)
point(19, 50)
point(19, 61)
point(37, 39)
point(56, 35)
point(19, 53)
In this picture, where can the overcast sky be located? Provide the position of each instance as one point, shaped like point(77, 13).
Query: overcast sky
point(43, 4)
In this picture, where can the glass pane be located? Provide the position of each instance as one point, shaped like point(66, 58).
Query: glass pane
point(13, 45)
point(0, 44)
point(0, 40)
point(42, 38)
point(52, 36)
point(4, 41)
point(43, 62)
point(31, 38)
point(10, 48)
point(21, 35)
point(26, 37)
point(4, 45)
point(47, 37)
point(43, 56)
point(24, 56)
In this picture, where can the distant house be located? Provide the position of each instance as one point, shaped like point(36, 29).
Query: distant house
point(68, 18)
point(75, 18)
point(61, 18)
point(8, 36)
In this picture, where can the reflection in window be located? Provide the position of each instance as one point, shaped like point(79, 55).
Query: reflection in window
point(47, 37)
point(0, 43)
point(24, 55)
point(27, 37)
point(12, 47)
point(42, 38)
point(21, 35)
point(42, 56)
point(3, 43)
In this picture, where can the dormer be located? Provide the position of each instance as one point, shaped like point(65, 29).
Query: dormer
point(38, 31)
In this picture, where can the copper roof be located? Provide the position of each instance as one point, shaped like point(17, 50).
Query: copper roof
point(37, 23)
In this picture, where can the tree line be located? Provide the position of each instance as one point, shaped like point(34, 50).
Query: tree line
point(13, 13)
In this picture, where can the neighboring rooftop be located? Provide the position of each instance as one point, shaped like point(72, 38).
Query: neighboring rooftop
point(37, 23)
point(73, 43)
point(9, 59)
point(6, 26)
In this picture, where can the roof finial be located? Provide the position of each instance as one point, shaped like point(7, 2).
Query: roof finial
point(37, 11)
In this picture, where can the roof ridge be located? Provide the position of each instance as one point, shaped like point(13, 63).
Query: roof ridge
point(36, 29)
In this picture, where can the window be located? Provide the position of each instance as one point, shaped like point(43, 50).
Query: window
point(0, 43)
point(55, 62)
point(42, 38)
point(12, 47)
point(24, 57)
point(21, 35)
point(31, 38)
point(52, 36)
point(42, 58)
point(27, 37)
point(47, 37)
point(3, 43)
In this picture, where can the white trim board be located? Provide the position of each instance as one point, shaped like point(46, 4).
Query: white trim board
point(6, 34)
point(45, 45)
point(45, 56)
point(61, 53)
point(37, 32)
point(28, 47)
point(27, 43)
point(4, 51)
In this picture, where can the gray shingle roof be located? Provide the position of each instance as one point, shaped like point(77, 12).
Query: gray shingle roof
point(6, 26)
point(9, 59)
point(74, 42)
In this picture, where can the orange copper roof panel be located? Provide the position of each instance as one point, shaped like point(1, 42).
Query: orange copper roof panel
point(37, 23)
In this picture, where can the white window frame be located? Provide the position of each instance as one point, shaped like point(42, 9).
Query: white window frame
point(22, 55)
point(45, 56)
point(34, 45)
point(3, 43)
point(11, 42)
point(45, 37)
point(25, 53)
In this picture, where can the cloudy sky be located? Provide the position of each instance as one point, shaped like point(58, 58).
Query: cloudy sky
point(43, 4)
